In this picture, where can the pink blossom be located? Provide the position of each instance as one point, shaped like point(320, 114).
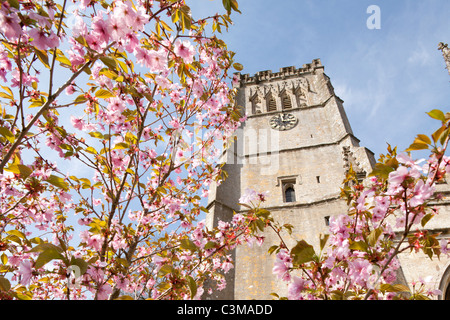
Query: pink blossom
point(100, 29)
point(93, 241)
point(77, 122)
point(70, 90)
point(156, 61)
point(132, 41)
point(249, 196)
point(26, 272)
point(398, 176)
point(227, 265)
point(174, 123)
point(104, 291)
point(444, 244)
point(282, 265)
point(79, 28)
point(84, 3)
point(339, 225)
point(43, 41)
point(116, 105)
point(185, 50)
point(295, 288)
point(10, 24)
point(422, 192)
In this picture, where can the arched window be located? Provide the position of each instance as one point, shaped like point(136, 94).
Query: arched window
point(271, 103)
point(286, 102)
point(289, 194)
point(256, 105)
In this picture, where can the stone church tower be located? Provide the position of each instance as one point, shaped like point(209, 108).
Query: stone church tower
point(297, 145)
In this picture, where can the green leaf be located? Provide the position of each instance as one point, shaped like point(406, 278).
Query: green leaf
point(109, 62)
point(425, 219)
point(80, 99)
point(323, 240)
point(43, 57)
point(422, 138)
point(4, 258)
point(17, 233)
point(437, 114)
point(80, 263)
point(302, 252)
point(235, 5)
point(26, 296)
point(20, 169)
point(103, 94)
point(374, 235)
point(273, 249)
point(91, 150)
point(14, 4)
point(9, 90)
point(4, 284)
point(65, 62)
point(58, 182)
point(210, 245)
point(187, 244)
point(381, 170)
point(238, 66)
point(121, 145)
point(48, 253)
point(438, 133)
point(96, 134)
point(43, 247)
point(165, 269)
point(227, 5)
point(444, 136)
point(7, 134)
point(359, 245)
point(417, 146)
point(192, 286)
point(264, 213)
point(393, 287)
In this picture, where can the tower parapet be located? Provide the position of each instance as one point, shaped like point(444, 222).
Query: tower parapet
point(284, 73)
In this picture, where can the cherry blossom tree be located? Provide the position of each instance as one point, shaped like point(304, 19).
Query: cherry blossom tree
point(113, 117)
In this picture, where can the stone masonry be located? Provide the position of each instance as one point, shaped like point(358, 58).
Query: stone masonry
point(301, 162)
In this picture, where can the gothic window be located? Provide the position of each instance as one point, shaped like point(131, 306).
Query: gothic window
point(256, 105)
point(271, 103)
point(286, 101)
point(289, 194)
point(301, 97)
point(288, 190)
point(288, 184)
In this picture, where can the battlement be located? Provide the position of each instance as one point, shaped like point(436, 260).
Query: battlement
point(284, 73)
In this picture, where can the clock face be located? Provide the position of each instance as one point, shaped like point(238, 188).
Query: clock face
point(283, 121)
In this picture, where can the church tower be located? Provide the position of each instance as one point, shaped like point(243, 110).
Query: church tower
point(296, 144)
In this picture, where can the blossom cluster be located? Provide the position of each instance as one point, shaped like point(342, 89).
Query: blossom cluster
point(360, 258)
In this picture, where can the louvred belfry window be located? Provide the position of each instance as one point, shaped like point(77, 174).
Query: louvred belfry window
point(287, 102)
point(271, 104)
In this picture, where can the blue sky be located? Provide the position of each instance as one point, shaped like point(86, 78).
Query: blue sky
point(387, 77)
